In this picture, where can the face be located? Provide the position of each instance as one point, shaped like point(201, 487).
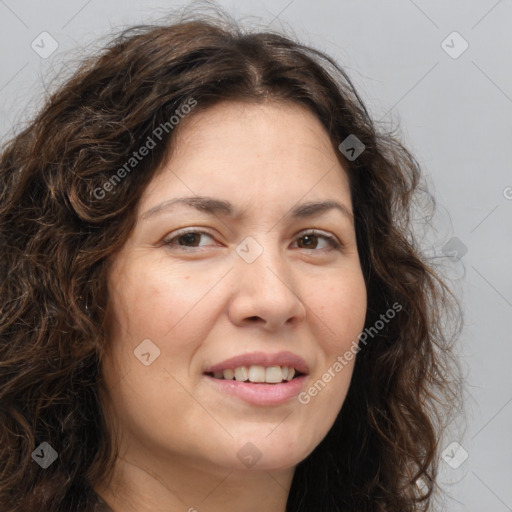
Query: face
point(254, 279)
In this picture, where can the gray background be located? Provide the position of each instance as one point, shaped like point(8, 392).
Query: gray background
point(455, 116)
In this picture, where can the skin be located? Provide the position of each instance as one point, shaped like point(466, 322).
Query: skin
point(178, 435)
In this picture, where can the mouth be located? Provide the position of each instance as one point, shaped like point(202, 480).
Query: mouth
point(259, 378)
point(257, 374)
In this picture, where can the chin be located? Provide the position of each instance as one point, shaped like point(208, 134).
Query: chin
point(272, 452)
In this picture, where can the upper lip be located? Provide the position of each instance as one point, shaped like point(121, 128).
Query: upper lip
point(288, 359)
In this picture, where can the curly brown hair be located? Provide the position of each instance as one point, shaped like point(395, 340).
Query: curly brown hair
point(57, 236)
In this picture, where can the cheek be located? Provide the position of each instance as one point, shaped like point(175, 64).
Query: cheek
point(158, 312)
point(340, 311)
point(152, 300)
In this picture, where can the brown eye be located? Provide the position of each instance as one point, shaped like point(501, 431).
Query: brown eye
point(189, 238)
point(186, 239)
point(311, 240)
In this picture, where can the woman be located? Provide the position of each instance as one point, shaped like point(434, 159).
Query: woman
point(213, 299)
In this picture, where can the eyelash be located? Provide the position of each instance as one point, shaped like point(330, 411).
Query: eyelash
point(331, 239)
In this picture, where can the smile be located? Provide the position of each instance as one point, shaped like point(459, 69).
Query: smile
point(257, 374)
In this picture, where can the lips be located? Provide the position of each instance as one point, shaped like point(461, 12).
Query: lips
point(260, 378)
point(260, 394)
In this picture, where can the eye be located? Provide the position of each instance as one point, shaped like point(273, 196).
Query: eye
point(184, 238)
point(311, 238)
point(190, 239)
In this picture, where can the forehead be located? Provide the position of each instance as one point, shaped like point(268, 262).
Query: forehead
point(259, 129)
point(251, 150)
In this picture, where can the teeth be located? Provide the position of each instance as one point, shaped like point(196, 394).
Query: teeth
point(241, 373)
point(257, 373)
point(227, 374)
point(273, 374)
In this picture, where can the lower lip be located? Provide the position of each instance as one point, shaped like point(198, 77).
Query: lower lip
point(261, 394)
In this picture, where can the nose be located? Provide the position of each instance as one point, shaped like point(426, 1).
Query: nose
point(265, 292)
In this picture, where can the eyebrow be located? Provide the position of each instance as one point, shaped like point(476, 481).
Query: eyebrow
point(214, 206)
